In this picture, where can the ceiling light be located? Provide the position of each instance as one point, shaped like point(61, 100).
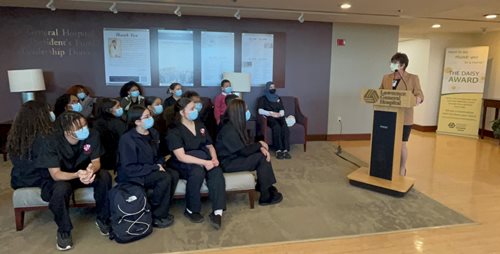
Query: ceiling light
point(436, 26)
point(113, 8)
point(301, 18)
point(237, 15)
point(345, 6)
point(490, 16)
point(178, 11)
point(50, 5)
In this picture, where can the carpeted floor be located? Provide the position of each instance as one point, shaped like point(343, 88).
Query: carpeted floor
point(318, 203)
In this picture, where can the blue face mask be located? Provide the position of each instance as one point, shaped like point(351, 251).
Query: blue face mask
point(158, 109)
point(82, 133)
point(178, 93)
point(198, 106)
point(193, 115)
point(81, 95)
point(76, 107)
point(148, 122)
point(248, 115)
point(135, 93)
point(228, 90)
point(52, 116)
point(119, 112)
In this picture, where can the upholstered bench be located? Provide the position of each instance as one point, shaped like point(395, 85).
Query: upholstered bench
point(28, 199)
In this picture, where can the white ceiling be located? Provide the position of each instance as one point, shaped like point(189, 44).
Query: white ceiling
point(414, 16)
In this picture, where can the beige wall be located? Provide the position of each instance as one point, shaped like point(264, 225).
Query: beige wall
point(492, 86)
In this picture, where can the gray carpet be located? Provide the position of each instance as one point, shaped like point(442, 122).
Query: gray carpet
point(318, 203)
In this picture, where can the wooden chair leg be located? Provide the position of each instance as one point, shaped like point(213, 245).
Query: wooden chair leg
point(19, 214)
point(251, 198)
point(5, 157)
point(305, 146)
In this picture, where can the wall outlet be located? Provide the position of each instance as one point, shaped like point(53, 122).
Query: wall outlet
point(339, 119)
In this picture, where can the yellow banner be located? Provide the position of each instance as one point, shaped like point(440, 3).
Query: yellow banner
point(459, 114)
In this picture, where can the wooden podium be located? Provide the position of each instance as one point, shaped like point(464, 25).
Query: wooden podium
point(387, 132)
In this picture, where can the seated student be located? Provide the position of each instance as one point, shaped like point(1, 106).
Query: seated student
point(131, 94)
point(71, 155)
point(195, 159)
point(206, 113)
point(32, 123)
point(237, 153)
point(220, 105)
point(175, 91)
point(227, 100)
point(140, 162)
point(271, 107)
point(67, 102)
point(85, 98)
point(153, 104)
point(111, 127)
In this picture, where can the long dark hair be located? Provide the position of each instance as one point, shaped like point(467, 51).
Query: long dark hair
point(105, 108)
point(236, 115)
point(32, 120)
point(69, 121)
point(148, 101)
point(172, 87)
point(179, 106)
point(61, 104)
point(127, 86)
point(134, 113)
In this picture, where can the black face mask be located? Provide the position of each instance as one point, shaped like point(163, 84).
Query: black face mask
point(272, 91)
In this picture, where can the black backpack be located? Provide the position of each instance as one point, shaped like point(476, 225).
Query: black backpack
point(131, 217)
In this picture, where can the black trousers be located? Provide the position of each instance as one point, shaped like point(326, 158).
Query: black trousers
point(195, 175)
point(257, 162)
point(58, 194)
point(163, 184)
point(281, 133)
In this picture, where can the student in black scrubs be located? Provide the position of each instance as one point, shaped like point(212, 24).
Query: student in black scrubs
point(67, 102)
point(110, 125)
point(227, 100)
point(131, 94)
point(155, 107)
point(271, 107)
point(237, 153)
point(24, 142)
point(206, 112)
point(72, 155)
point(175, 92)
point(141, 163)
point(195, 159)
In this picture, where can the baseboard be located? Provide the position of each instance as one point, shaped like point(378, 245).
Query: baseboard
point(349, 137)
point(317, 137)
point(424, 128)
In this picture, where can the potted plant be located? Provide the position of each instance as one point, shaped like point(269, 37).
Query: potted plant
point(496, 128)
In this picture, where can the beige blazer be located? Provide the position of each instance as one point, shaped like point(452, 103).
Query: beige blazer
point(412, 84)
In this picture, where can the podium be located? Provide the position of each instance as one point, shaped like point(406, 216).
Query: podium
point(387, 132)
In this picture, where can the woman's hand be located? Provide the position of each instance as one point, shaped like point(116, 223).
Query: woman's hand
point(209, 165)
point(264, 144)
point(161, 168)
point(266, 154)
point(419, 100)
point(215, 162)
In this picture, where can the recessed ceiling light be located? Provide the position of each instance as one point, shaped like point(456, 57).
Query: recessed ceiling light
point(490, 16)
point(345, 6)
point(436, 26)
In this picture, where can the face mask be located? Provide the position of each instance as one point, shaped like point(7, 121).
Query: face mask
point(82, 133)
point(394, 67)
point(81, 95)
point(198, 106)
point(228, 90)
point(135, 93)
point(248, 115)
point(193, 115)
point(118, 112)
point(178, 93)
point(52, 116)
point(158, 109)
point(76, 107)
point(148, 122)
point(272, 91)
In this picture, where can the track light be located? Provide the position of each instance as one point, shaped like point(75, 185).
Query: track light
point(237, 15)
point(178, 11)
point(301, 18)
point(113, 8)
point(50, 5)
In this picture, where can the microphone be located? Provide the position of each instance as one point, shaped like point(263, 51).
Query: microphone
point(406, 87)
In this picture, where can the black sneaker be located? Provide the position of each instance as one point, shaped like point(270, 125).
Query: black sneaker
point(164, 222)
point(274, 199)
point(215, 220)
point(286, 155)
point(104, 228)
point(64, 241)
point(194, 217)
point(280, 155)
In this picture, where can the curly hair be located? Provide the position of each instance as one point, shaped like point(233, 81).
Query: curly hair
point(61, 103)
point(32, 120)
point(127, 86)
point(70, 121)
point(76, 88)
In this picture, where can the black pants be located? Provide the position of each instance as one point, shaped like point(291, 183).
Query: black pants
point(163, 184)
point(257, 162)
point(195, 175)
point(281, 133)
point(58, 194)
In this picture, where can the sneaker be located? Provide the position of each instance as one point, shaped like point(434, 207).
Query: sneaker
point(287, 155)
point(164, 222)
point(274, 199)
point(215, 220)
point(104, 228)
point(280, 155)
point(64, 241)
point(194, 217)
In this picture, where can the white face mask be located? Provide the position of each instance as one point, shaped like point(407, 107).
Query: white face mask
point(394, 67)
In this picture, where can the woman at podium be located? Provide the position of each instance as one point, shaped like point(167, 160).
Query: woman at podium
point(399, 79)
